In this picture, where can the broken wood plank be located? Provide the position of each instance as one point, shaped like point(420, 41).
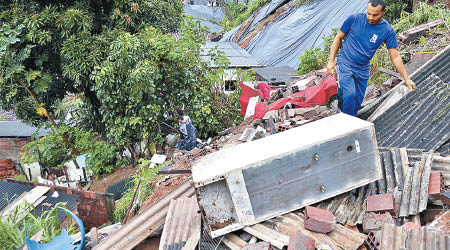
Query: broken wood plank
point(267, 234)
point(234, 242)
point(390, 72)
point(175, 171)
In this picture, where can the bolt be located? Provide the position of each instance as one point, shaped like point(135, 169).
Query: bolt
point(322, 189)
point(316, 157)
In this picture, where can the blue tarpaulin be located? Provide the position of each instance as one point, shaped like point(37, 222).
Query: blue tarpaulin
point(282, 41)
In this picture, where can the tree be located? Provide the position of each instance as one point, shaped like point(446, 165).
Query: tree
point(122, 59)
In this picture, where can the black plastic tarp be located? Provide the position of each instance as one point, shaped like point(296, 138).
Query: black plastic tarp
point(208, 16)
point(283, 41)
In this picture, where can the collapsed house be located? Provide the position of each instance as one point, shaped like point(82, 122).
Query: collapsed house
point(242, 195)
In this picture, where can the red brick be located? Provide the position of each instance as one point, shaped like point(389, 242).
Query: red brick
point(373, 221)
point(373, 240)
point(319, 220)
point(436, 184)
point(381, 203)
point(299, 241)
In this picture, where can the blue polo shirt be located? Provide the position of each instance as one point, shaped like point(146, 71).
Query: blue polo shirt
point(363, 39)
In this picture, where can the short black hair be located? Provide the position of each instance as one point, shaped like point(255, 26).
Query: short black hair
point(375, 3)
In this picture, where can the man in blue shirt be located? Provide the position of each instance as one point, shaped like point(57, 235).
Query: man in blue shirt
point(363, 33)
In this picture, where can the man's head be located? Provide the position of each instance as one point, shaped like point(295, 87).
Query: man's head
point(375, 11)
point(180, 119)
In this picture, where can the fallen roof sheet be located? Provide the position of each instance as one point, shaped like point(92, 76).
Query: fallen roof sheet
point(276, 74)
point(237, 56)
point(281, 31)
point(419, 120)
point(146, 223)
point(182, 220)
point(11, 191)
point(207, 15)
point(398, 238)
point(19, 129)
point(405, 174)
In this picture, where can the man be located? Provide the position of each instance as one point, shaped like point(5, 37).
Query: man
point(363, 33)
point(188, 134)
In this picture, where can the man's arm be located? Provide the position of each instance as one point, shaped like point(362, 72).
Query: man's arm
point(331, 66)
point(398, 63)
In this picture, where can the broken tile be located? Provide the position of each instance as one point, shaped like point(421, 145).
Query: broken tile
point(436, 184)
point(373, 240)
point(299, 241)
point(319, 220)
point(373, 221)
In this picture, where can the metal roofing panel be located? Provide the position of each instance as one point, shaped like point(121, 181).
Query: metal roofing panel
point(438, 65)
point(398, 238)
point(276, 74)
point(182, 219)
point(405, 175)
point(238, 57)
point(10, 191)
point(417, 120)
point(18, 129)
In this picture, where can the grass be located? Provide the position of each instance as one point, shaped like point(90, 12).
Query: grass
point(146, 176)
point(12, 229)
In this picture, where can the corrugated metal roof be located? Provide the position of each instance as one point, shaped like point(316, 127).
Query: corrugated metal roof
point(276, 74)
point(398, 238)
point(182, 219)
point(405, 174)
point(207, 15)
point(417, 120)
point(442, 164)
point(11, 191)
point(438, 66)
point(18, 129)
point(239, 58)
point(7, 116)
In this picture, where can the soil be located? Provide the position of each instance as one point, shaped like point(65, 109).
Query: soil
point(101, 184)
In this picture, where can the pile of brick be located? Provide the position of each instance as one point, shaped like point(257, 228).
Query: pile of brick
point(7, 169)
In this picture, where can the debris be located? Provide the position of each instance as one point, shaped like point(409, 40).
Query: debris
point(298, 241)
point(158, 159)
point(182, 219)
point(234, 242)
point(390, 72)
point(319, 220)
point(373, 240)
point(414, 33)
point(267, 234)
point(147, 222)
point(441, 223)
point(373, 221)
point(445, 197)
point(258, 246)
point(251, 106)
point(436, 184)
point(381, 203)
point(230, 191)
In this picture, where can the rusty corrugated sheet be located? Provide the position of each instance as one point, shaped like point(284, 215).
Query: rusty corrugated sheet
point(405, 175)
point(146, 223)
point(182, 219)
point(398, 238)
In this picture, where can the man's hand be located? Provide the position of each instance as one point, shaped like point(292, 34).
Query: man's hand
point(410, 84)
point(331, 67)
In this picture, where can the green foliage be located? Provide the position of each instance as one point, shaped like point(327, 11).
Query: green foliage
point(314, 59)
point(37, 37)
point(50, 151)
point(393, 9)
point(241, 12)
point(12, 229)
point(20, 177)
point(145, 189)
point(424, 13)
